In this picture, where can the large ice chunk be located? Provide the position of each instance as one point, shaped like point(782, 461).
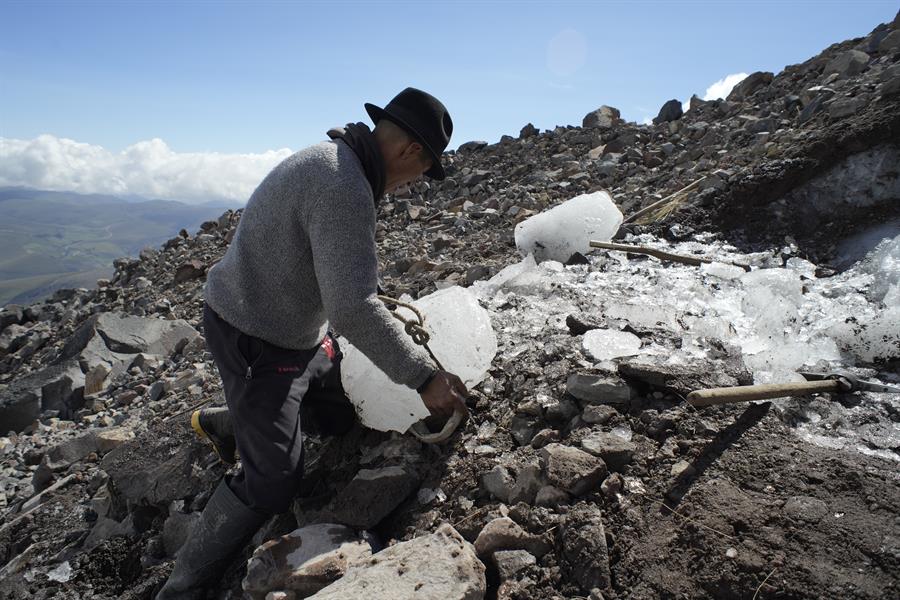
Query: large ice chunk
point(461, 337)
point(604, 344)
point(558, 233)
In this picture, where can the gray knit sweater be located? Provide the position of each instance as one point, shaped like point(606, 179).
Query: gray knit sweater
point(304, 254)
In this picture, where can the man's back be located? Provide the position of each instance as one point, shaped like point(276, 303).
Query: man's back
point(266, 283)
point(304, 254)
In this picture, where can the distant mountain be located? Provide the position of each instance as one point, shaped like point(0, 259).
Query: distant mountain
point(50, 240)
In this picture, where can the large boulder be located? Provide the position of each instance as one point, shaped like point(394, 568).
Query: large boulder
point(114, 339)
point(439, 566)
point(305, 560)
point(372, 495)
point(104, 343)
point(160, 466)
point(749, 85)
point(605, 117)
point(670, 111)
point(57, 387)
point(847, 64)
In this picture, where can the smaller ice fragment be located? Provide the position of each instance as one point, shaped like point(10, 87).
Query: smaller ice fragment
point(558, 233)
point(61, 573)
point(604, 344)
point(722, 270)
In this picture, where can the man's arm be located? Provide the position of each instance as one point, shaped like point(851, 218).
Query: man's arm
point(341, 229)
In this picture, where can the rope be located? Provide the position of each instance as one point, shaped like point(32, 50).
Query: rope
point(415, 328)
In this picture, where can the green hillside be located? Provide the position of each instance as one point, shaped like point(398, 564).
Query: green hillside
point(50, 240)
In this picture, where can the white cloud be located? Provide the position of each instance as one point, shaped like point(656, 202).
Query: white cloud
point(722, 87)
point(149, 168)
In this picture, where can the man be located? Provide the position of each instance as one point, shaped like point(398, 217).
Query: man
point(304, 257)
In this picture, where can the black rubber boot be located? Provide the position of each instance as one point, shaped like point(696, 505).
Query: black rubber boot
point(224, 527)
point(215, 425)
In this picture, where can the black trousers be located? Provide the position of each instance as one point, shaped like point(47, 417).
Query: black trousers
point(265, 386)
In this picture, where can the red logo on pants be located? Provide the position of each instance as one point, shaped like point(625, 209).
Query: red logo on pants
point(328, 346)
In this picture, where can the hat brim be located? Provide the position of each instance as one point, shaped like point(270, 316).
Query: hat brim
point(376, 114)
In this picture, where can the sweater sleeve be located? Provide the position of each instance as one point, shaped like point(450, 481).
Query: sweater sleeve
point(341, 229)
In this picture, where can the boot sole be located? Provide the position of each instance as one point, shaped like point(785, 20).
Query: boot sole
point(198, 428)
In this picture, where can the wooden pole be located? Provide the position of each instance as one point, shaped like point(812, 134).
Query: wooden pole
point(731, 395)
point(660, 254)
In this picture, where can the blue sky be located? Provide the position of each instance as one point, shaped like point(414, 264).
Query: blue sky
point(251, 77)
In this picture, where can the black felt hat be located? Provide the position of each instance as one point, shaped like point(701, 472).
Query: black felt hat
point(422, 116)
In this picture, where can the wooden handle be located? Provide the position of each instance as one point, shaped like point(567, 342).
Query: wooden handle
point(731, 395)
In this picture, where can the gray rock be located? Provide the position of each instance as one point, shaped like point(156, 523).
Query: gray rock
point(305, 560)
point(439, 566)
point(551, 497)
point(510, 563)
point(156, 391)
point(10, 315)
point(477, 273)
point(683, 379)
point(57, 387)
point(13, 338)
point(522, 428)
point(585, 554)
point(472, 146)
point(847, 64)
point(133, 335)
point(544, 437)
point(505, 534)
point(371, 496)
point(528, 483)
point(528, 131)
point(192, 269)
point(105, 528)
point(598, 389)
point(159, 466)
point(112, 339)
point(598, 413)
point(749, 85)
point(696, 102)
point(499, 482)
point(65, 392)
point(890, 42)
point(811, 109)
point(805, 508)
point(73, 450)
point(845, 107)
point(670, 111)
point(571, 469)
point(890, 87)
point(604, 117)
point(615, 451)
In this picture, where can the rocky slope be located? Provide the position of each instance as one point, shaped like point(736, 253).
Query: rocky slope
point(101, 477)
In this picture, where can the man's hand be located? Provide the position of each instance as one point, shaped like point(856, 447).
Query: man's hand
point(445, 394)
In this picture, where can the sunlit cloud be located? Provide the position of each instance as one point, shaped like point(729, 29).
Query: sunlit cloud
point(148, 168)
point(722, 87)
